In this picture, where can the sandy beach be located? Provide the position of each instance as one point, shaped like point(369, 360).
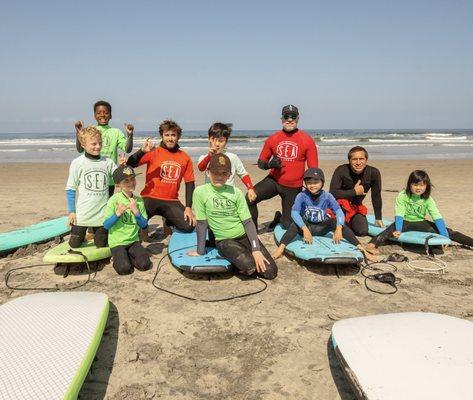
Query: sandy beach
point(273, 345)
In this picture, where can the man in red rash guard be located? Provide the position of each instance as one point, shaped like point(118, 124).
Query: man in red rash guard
point(285, 153)
point(166, 166)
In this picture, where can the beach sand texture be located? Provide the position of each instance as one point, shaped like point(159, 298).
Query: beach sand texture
point(274, 345)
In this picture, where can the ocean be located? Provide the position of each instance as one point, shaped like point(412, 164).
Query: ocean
point(333, 144)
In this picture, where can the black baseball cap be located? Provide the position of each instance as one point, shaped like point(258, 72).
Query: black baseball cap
point(123, 172)
point(315, 173)
point(290, 110)
point(220, 162)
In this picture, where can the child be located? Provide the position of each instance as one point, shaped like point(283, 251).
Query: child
point(412, 206)
point(311, 215)
point(219, 134)
point(112, 138)
point(91, 175)
point(124, 216)
point(223, 208)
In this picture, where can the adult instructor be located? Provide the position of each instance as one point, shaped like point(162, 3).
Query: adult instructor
point(349, 185)
point(285, 153)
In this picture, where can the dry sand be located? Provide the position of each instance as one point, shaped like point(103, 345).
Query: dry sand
point(274, 345)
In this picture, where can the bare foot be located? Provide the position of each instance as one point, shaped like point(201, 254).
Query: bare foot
point(278, 253)
point(371, 257)
point(371, 248)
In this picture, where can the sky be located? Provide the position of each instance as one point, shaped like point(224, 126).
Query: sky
point(345, 64)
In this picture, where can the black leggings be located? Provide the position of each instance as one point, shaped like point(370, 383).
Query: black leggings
point(267, 189)
point(78, 236)
point(126, 258)
point(319, 229)
point(359, 225)
point(421, 226)
point(238, 252)
point(171, 211)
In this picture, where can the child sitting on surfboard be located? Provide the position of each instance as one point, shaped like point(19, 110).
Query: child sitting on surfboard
point(223, 209)
point(124, 217)
point(412, 206)
point(90, 175)
point(311, 214)
point(112, 138)
point(219, 133)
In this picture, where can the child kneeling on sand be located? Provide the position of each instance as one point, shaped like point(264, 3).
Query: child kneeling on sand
point(90, 175)
point(124, 217)
point(223, 209)
point(311, 216)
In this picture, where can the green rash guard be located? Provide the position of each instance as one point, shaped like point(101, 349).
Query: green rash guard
point(112, 139)
point(224, 208)
point(414, 208)
point(125, 231)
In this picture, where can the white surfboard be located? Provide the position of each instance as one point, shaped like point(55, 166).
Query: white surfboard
point(48, 342)
point(406, 356)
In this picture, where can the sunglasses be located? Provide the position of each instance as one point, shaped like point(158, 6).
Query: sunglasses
point(289, 116)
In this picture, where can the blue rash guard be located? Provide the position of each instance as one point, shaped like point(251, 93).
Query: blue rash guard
point(313, 209)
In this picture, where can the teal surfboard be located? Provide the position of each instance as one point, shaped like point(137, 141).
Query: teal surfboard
point(63, 254)
point(181, 243)
point(413, 237)
point(322, 249)
point(48, 342)
point(33, 234)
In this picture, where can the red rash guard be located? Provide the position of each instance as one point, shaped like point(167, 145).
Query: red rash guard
point(164, 173)
point(293, 149)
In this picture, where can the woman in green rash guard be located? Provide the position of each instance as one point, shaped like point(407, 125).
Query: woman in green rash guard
point(223, 209)
point(412, 206)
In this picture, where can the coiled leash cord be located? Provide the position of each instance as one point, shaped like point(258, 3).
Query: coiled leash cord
point(384, 276)
point(10, 273)
point(182, 296)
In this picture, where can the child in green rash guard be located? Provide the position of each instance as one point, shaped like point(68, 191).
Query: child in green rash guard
point(124, 217)
point(90, 175)
point(412, 206)
point(223, 209)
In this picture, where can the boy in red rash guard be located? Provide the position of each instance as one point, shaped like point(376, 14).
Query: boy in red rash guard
point(285, 153)
point(166, 166)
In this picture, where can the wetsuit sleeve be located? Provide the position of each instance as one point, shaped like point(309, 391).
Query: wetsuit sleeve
point(141, 221)
point(129, 143)
point(376, 199)
point(247, 181)
point(110, 221)
point(398, 222)
point(203, 162)
point(201, 230)
point(440, 224)
point(71, 200)
point(190, 186)
point(336, 186)
point(311, 155)
point(250, 230)
point(332, 204)
point(265, 154)
point(136, 159)
point(296, 211)
point(296, 217)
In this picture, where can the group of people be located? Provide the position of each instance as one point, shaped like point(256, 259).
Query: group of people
point(220, 209)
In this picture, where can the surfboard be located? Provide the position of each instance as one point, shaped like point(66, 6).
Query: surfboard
point(406, 356)
point(413, 237)
point(181, 243)
point(62, 253)
point(33, 234)
point(48, 342)
point(322, 249)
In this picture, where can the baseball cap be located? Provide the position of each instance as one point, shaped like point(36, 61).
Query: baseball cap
point(123, 172)
point(290, 110)
point(219, 163)
point(315, 173)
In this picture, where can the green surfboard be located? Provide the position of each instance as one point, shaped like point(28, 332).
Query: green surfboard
point(63, 254)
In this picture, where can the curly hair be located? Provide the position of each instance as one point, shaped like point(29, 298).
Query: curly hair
point(87, 133)
point(169, 125)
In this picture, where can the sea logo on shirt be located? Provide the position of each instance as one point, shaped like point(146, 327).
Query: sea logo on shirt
point(96, 181)
point(314, 214)
point(170, 171)
point(223, 206)
point(287, 150)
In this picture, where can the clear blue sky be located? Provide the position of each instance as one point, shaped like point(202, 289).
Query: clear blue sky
point(346, 64)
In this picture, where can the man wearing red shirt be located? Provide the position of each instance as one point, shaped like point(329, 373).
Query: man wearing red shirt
point(285, 153)
point(166, 166)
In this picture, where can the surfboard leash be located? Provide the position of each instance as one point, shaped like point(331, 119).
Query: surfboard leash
point(383, 276)
point(183, 296)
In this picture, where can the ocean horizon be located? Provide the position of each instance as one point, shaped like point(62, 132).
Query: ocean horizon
point(333, 144)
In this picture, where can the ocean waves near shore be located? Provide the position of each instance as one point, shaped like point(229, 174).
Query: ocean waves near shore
point(332, 144)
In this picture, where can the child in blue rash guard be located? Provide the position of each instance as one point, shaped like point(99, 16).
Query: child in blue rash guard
point(124, 217)
point(311, 217)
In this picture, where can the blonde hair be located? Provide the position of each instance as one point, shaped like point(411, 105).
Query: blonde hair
point(88, 133)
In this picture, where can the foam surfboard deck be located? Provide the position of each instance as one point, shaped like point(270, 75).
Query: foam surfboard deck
point(412, 237)
point(321, 250)
point(406, 356)
point(33, 234)
point(48, 342)
point(181, 243)
point(60, 254)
